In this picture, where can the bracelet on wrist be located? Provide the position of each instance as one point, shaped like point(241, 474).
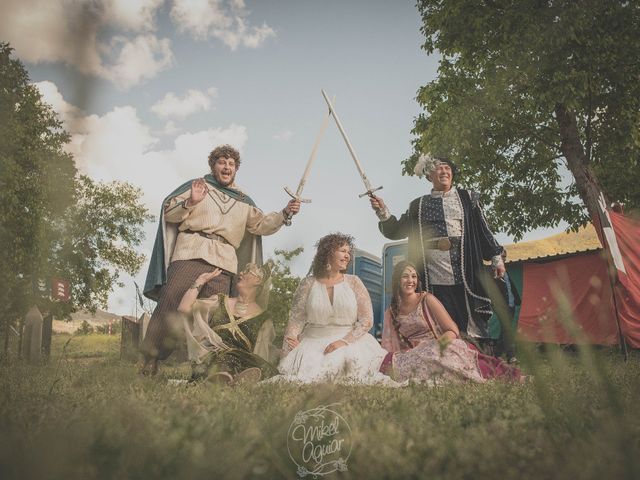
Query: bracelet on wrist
point(195, 286)
point(452, 331)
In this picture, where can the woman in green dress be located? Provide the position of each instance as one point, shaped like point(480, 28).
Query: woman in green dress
point(229, 339)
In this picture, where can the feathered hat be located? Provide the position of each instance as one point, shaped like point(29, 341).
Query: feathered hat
point(427, 163)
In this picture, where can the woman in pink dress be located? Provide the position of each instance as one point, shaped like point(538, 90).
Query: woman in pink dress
point(424, 341)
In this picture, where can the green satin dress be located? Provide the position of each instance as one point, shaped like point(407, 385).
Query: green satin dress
point(229, 343)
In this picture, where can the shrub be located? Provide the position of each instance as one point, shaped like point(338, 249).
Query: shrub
point(85, 328)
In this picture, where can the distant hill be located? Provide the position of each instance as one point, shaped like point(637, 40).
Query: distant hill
point(99, 317)
point(95, 319)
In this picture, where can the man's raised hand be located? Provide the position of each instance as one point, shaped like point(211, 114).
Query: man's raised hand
point(199, 190)
point(293, 207)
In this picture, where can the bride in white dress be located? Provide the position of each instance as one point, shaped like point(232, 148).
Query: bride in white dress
point(327, 339)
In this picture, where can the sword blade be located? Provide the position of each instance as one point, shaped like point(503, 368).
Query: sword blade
point(314, 150)
point(367, 184)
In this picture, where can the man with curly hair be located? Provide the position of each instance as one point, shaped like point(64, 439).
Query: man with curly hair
point(205, 223)
point(448, 240)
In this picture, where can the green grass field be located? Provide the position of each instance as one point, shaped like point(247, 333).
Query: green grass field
point(86, 415)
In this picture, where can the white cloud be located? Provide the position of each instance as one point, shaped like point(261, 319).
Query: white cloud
point(137, 60)
point(251, 37)
point(171, 106)
point(192, 149)
point(134, 15)
point(42, 31)
point(113, 145)
point(283, 136)
point(225, 21)
point(119, 146)
point(71, 116)
point(170, 128)
point(68, 31)
point(199, 16)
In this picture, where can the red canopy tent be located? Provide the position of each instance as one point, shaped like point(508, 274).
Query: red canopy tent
point(576, 287)
point(579, 279)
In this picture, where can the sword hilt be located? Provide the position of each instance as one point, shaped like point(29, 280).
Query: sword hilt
point(289, 216)
point(370, 192)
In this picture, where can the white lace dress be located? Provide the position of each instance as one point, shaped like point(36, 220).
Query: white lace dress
point(317, 322)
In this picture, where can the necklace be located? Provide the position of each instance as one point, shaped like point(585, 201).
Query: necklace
point(409, 305)
point(241, 308)
point(221, 200)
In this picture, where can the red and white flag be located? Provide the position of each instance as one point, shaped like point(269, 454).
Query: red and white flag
point(60, 289)
point(622, 240)
point(610, 241)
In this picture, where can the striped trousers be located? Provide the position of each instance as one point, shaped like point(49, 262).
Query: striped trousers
point(164, 336)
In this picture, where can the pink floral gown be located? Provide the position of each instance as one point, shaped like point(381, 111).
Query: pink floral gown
point(425, 360)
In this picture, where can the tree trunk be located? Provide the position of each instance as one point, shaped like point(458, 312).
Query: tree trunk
point(6, 339)
point(589, 190)
point(577, 161)
point(20, 335)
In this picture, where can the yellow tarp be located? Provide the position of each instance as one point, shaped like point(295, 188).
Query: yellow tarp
point(561, 243)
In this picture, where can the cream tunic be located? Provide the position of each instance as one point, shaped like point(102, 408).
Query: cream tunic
point(222, 215)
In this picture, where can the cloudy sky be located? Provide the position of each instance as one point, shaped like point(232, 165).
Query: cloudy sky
point(147, 88)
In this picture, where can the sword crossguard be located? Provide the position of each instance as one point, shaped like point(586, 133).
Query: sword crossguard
point(296, 197)
point(289, 216)
point(370, 192)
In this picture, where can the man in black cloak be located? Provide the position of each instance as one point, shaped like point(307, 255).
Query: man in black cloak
point(448, 240)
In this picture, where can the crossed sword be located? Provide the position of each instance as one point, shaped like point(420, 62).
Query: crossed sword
point(298, 194)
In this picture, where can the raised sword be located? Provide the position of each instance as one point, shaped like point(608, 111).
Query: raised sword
point(366, 181)
point(307, 169)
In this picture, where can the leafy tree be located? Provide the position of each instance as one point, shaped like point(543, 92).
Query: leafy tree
point(538, 102)
point(36, 185)
point(85, 328)
point(95, 240)
point(55, 223)
point(284, 285)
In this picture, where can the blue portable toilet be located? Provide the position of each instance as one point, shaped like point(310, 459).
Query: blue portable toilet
point(392, 254)
point(369, 268)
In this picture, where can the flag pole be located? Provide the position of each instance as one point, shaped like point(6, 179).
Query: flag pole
point(612, 282)
point(613, 276)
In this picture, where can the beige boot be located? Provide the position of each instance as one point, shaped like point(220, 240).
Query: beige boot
point(248, 376)
point(220, 378)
